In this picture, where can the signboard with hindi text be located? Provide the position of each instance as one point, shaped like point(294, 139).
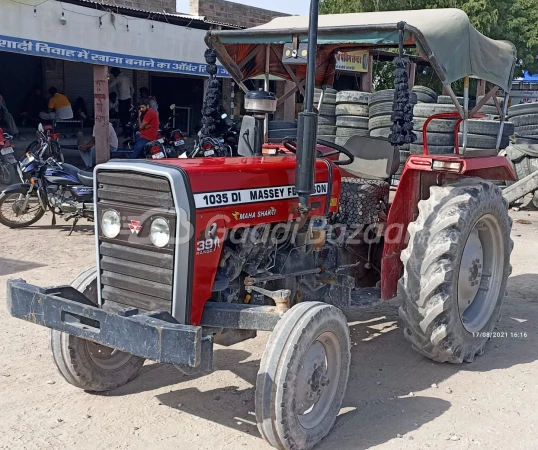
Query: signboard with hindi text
point(358, 61)
point(91, 36)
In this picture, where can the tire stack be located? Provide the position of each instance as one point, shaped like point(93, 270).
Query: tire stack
point(380, 121)
point(425, 94)
point(525, 119)
point(481, 138)
point(447, 100)
point(490, 108)
point(352, 115)
point(327, 117)
point(524, 155)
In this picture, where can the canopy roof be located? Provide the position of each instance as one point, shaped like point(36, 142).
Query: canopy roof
point(443, 36)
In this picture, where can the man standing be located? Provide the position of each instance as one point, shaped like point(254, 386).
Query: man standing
point(149, 127)
point(59, 107)
point(124, 88)
point(6, 116)
point(87, 152)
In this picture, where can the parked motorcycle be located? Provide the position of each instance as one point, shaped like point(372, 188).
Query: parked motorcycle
point(7, 160)
point(173, 137)
point(231, 136)
point(47, 185)
point(212, 146)
point(131, 131)
point(44, 135)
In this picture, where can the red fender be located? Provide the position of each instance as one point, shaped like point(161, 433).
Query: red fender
point(414, 186)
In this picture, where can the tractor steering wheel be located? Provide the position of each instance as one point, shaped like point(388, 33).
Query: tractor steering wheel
point(291, 145)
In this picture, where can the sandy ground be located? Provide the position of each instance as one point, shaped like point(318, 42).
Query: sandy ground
point(396, 399)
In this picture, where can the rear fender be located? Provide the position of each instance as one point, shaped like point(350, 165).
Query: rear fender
point(416, 180)
point(20, 188)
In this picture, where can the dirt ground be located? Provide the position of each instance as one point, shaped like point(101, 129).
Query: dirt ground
point(396, 399)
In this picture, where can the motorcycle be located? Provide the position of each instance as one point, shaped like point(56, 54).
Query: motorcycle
point(212, 146)
point(131, 130)
point(44, 135)
point(231, 136)
point(174, 138)
point(7, 160)
point(47, 185)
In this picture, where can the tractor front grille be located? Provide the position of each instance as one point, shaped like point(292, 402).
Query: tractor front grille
point(135, 273)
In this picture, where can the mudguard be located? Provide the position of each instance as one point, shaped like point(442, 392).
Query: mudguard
point(21, 188)
point(414, 185)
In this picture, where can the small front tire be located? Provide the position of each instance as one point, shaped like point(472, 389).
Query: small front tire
point(303, 376)
point(85, 364)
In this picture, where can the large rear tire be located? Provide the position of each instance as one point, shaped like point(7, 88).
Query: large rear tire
point(303, 376)
point(455, 270)
point(85, 364)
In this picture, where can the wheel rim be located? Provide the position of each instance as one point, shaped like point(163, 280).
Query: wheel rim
point(12, 209)
point(318, 380)
point(481, 273)
point(105, 357)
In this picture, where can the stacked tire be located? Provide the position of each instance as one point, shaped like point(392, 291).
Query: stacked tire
point(525, 119)
point(481, 137)
point(327, 117)
point(380, 121)
point(523, 153)
point(447, 100)
point(425, 94)
point(489, 108)
point(352, 115)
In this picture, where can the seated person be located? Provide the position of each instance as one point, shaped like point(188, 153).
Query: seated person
point(5, 116)
point(87, 151)
point(59, 107)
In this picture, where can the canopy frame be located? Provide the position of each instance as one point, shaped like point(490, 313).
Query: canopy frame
point(413, 38)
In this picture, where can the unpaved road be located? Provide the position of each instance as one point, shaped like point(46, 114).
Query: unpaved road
point(395, 399)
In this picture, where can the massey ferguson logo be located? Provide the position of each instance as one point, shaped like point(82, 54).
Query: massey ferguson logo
point(135, 227)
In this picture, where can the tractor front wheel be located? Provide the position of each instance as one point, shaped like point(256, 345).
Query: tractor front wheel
point(85, 364)
point(303, 376)
point(456, 268)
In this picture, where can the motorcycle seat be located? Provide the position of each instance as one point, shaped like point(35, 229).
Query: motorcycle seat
point(86, 178)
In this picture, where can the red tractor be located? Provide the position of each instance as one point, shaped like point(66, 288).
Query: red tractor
point(192, 252)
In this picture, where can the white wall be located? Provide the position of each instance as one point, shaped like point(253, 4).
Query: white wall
point(169, 42)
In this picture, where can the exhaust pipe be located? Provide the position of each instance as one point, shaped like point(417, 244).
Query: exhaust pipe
point(307, 126)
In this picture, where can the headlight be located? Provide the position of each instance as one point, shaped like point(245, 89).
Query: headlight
point(159, 232)
point(111, 223)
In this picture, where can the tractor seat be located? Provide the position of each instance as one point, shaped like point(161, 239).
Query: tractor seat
point(365, 187)
point(375, 158)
